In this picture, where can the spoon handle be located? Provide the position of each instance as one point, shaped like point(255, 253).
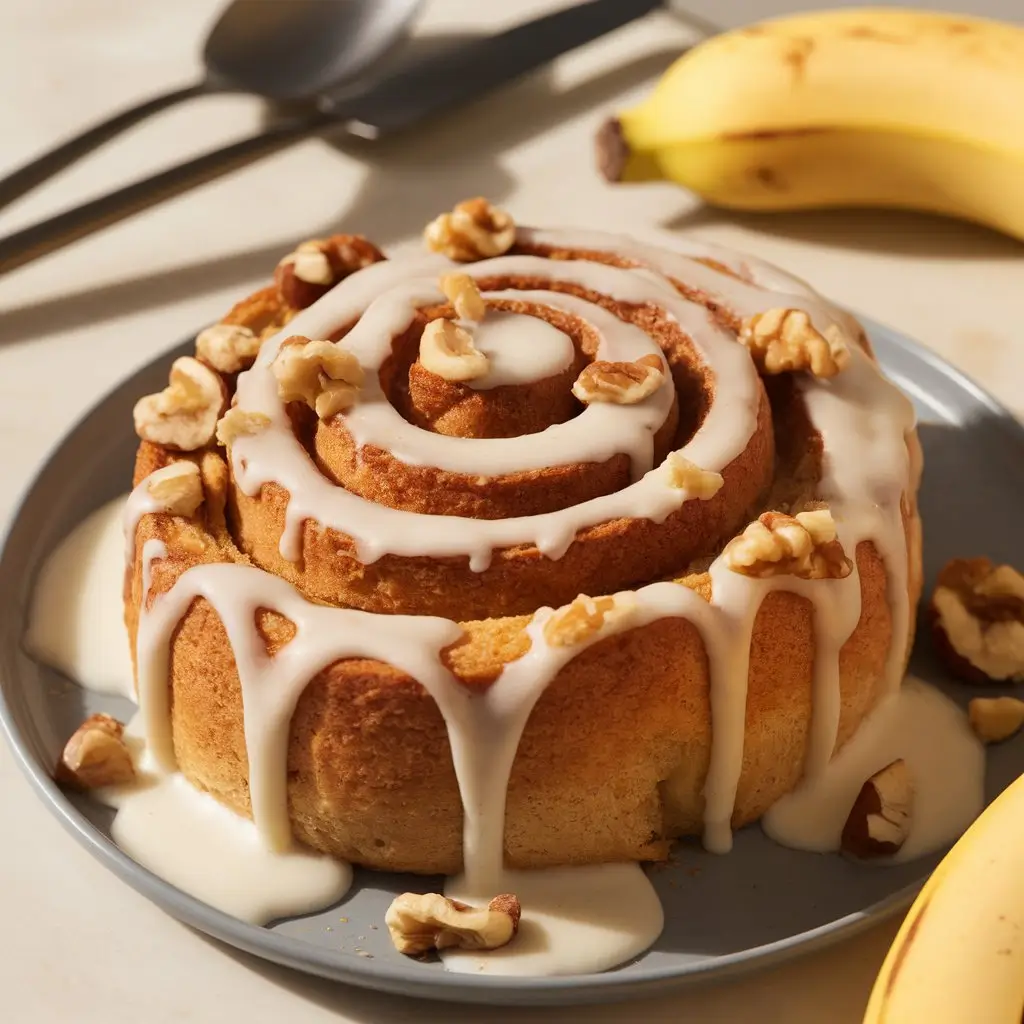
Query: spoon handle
point(36, 241)
point(42, 168)
point(424, 90)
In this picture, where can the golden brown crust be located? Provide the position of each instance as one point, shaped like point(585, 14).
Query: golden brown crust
point(611, 765)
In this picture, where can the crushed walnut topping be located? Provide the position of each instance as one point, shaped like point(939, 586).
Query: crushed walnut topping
point(449, 351)
point(776, 544)
point(462, 292)
point(474, 230)
point(785, 341)
point(228, 348)
point(184, 415)
point(322, 374)
point(686, 476)
point(977, 610)
point(238, 423)
point(576, 622)
point(419, 923)
point(96, 755)
point(623, 383)
point(178, 488)
point(306, 274)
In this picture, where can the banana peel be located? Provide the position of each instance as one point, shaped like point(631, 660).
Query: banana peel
point(875, 107)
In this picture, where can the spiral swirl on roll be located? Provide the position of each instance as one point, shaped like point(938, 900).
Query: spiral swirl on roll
point(542, 557)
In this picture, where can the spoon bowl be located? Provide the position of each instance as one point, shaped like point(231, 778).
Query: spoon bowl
point(292, 49)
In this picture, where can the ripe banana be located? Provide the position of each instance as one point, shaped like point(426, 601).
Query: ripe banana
point(852, 107)
point(959, 956)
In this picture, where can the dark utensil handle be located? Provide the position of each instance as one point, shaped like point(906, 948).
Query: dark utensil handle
point(45, 237)
point(35, 172)
point(425, 89)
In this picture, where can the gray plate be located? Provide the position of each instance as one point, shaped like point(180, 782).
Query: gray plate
point(756, 906)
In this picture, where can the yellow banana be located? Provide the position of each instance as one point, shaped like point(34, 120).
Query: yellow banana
point(959, 956)
point(852, 107)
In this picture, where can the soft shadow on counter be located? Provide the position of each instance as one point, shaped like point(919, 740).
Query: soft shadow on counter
point(889, 232)
point(404, 187)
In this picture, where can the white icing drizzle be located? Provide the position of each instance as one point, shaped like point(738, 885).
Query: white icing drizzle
point(139, 503)
point(275, 455)
point(576, 920)
point(522, 349)
point(737, 599)
point(742, 297)
point(862, 420)
point(190, 840)
point(76, 619)
point(486, 734)
point(271, 686)
point(596, 434)
point(946, 762)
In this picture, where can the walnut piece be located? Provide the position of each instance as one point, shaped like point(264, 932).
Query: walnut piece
point(178, 488)
point(776, 544)
point(316, 266)
point(448, 350)
point(461, 291)
point(419, 923)
point(785, 341)
point(977, 613)
point(621, 383)
point(994, 719)
point(474, 230)
point(238, 423)
point(184, 415)
point(880, 819)
point(227, 347)
point(96, 755)
point(686, 476)
point(576, 622)
point(322, 374)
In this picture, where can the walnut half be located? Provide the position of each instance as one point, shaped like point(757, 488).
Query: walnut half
point(228, 347)
point(419, 923)
point(462, 292)
point(776, 544)
point(995, 719)
point(96, 755)
point(178, 488)
point(184, 415)
point(578, 621)
point(316, 266)
point(785, 341)
point(624, 383)
point(238, 423)
point(977, 613)
point(474, 230)
point(687, 476)
point(448, 350)
point(320, 373)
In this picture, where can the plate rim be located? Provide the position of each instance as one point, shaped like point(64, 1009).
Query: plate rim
point(395, 979)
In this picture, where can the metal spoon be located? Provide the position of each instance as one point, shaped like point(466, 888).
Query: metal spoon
point(277, 49)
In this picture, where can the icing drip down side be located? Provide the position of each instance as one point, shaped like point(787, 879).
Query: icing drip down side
point(192, 841)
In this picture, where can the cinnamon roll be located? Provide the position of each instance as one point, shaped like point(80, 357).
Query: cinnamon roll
point(544, 548)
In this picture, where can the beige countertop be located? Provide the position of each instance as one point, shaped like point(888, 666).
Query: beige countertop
point(79, 945)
